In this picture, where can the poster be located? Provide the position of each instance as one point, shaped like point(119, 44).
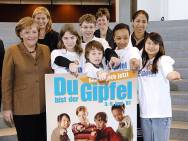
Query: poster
point(66, 93)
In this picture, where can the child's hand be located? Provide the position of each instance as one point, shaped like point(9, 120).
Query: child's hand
point(102, 75)
point(73, 67)
point(134, 64)
point(122, 124)
point(174, 75)
point(126, 123)
point(114, 62)
point(93, 133)
point(177, 76)
point(80, 128)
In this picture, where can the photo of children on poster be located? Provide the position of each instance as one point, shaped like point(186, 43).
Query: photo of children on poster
point(85, 109)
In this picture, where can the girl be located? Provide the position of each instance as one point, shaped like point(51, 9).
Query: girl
point(94, 53)
point(69, 49)
point(125, 129)
point(154, 89)
point(129, 56)
point(139, 23)
point(60, 133)
point(47, 35)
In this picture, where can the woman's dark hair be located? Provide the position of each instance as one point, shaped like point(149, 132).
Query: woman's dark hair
point(119, 27)
point(157, 39)
point(59, 117)
point(119, 107)
point(140, 12)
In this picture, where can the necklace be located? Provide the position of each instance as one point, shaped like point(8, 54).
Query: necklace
point(33, 51)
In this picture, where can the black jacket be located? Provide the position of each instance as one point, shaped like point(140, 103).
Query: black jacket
point(109, 37)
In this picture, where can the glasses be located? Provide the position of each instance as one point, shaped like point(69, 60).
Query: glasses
point(88, 27)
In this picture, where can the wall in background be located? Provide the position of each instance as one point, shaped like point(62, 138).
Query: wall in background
point(169, 9)
point(124, 11)
point(177, 10)
point(7, 27)
point(59, 13)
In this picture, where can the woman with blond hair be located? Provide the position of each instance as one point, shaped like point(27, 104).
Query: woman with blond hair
point(47, 35)
point(23, 91)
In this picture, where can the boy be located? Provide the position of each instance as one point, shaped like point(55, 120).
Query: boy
point(103, 132)
point(83, 129)
point(87, 28)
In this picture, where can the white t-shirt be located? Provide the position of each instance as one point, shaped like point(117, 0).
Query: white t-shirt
point(91, 70)
point(154, 89)
point(126, 54)
point(101, 40)
point(72, 56)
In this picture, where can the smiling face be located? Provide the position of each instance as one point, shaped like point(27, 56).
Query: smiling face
point(140, 23)
point(102, 22)
point(87, 30)
point(42, 20)
point(118, 114)
point(29, 36)
point(121, 38)
point(151, 48)
point(82, 116)
point(95, 56)
point(64, 123)
point(69, 41)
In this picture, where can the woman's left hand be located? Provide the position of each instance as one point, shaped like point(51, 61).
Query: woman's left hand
point(8, 117)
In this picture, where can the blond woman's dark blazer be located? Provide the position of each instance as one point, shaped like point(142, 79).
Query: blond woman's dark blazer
point(23, 85)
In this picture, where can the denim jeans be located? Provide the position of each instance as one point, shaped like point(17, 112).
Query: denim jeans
point(156, 129)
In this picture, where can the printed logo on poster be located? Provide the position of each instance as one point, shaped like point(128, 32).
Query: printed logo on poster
point(65, 93)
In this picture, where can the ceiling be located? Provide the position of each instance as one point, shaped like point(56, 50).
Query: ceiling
point(74, 2)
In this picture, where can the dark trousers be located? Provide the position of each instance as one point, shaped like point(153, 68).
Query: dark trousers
point(31, 127)
point(139, 129)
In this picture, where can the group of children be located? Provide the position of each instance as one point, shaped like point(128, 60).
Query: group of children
point(92, 55)
point(84, 130)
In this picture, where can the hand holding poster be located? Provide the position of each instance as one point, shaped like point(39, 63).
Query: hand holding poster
point(85, 109)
